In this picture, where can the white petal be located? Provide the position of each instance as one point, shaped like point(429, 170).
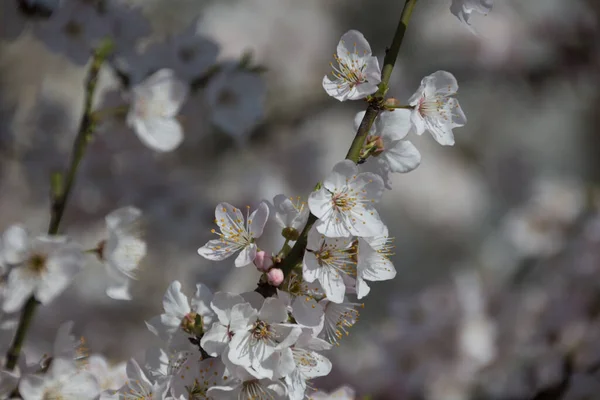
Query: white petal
point(334, 227)
point(418, 123)
point(310, 265)
point(285, 210)
point(167, 93)
point(337, 89)
point(393, 125)
point(402, 156)
point(175, 302)
point(362, 288)
point(120, 220)
point(442, 82)
point(333, 285)
point(258, 219)
point(222, 303)
point(246, 256)
point(15, 243)
point(215, 340)
point(19, 287)
point(242, 317)
point(61, 267)
point(319, 203)
point(440, 130)
point(160, 134)
point(273, 310)
point(306, 311)
point(353, 42)
point(255, 299)
point(32, 387)
point(218, 250)
point(338, 178)
point(201, 301)
point(82, 385)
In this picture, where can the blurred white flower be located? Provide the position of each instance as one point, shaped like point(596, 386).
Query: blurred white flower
point(190, 317)
point(43, 267)
point(73, 30)
point(123, 250)
point(373, 262)
point(109, 377)
point(235, 234)
point(344, 204)
point(62, 381)
point(463, 9)
point(342, 393)
point(435, 110)
point(127, 24)
point(394, 153)
point(290, 215)
point(538, 228)
point(9, 380)
point(154, 107)
point(236, 99)
point(357, 74)
point(327, 260)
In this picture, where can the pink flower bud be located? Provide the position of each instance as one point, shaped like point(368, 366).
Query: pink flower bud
point(263, 261)
point(275, 276)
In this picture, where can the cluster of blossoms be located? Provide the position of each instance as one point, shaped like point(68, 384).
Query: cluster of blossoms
point(265, 344)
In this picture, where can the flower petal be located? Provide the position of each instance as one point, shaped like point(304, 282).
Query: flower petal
point(402, 156)
point(160, 134)
point(258, 219)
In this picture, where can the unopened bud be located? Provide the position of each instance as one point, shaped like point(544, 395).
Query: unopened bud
point(263, 261)
point(391, 102)
point(275, 276)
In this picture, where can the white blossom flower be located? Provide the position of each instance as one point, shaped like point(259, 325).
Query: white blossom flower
point(67, 346)
point(242, 385)
point(73, 30)
point(154, 107)
point(395, 153)
point(342, 393)
point(309, 363)
point(109, 377)
point(462, 9)
point(123, 250)
point(357, 74)
point(236, 99)
point(186, 317)
point(301, 299)
point(327, 260)
point(257, 335)
point(43, 266)
point(373, 262)
point(291, 214)
point(235, 234)
point(196, 376)
point(140, 387)
point(344, 204)
point(62, 381)
point(435, 110)
point(338, 318)
point(217, 338)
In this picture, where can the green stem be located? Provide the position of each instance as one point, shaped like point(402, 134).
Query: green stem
point(61, 189)
point(375, 105)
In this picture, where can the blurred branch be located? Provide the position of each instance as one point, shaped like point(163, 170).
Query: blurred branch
point(61, 189)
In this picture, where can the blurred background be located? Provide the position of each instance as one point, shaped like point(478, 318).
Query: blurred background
point(497, 239)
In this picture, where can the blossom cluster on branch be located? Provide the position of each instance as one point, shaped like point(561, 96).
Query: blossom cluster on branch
point(265, 344)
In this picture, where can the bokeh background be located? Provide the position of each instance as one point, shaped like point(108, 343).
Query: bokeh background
point(497, 239)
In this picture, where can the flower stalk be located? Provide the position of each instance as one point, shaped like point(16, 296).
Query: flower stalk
point(376, 104)
point(61, 186)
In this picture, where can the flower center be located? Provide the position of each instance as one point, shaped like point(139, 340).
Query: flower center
point(343, 202)
point(37, 263)
point(433, 107)
point(262, 331)
point(197, 391)
point(350, 70)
